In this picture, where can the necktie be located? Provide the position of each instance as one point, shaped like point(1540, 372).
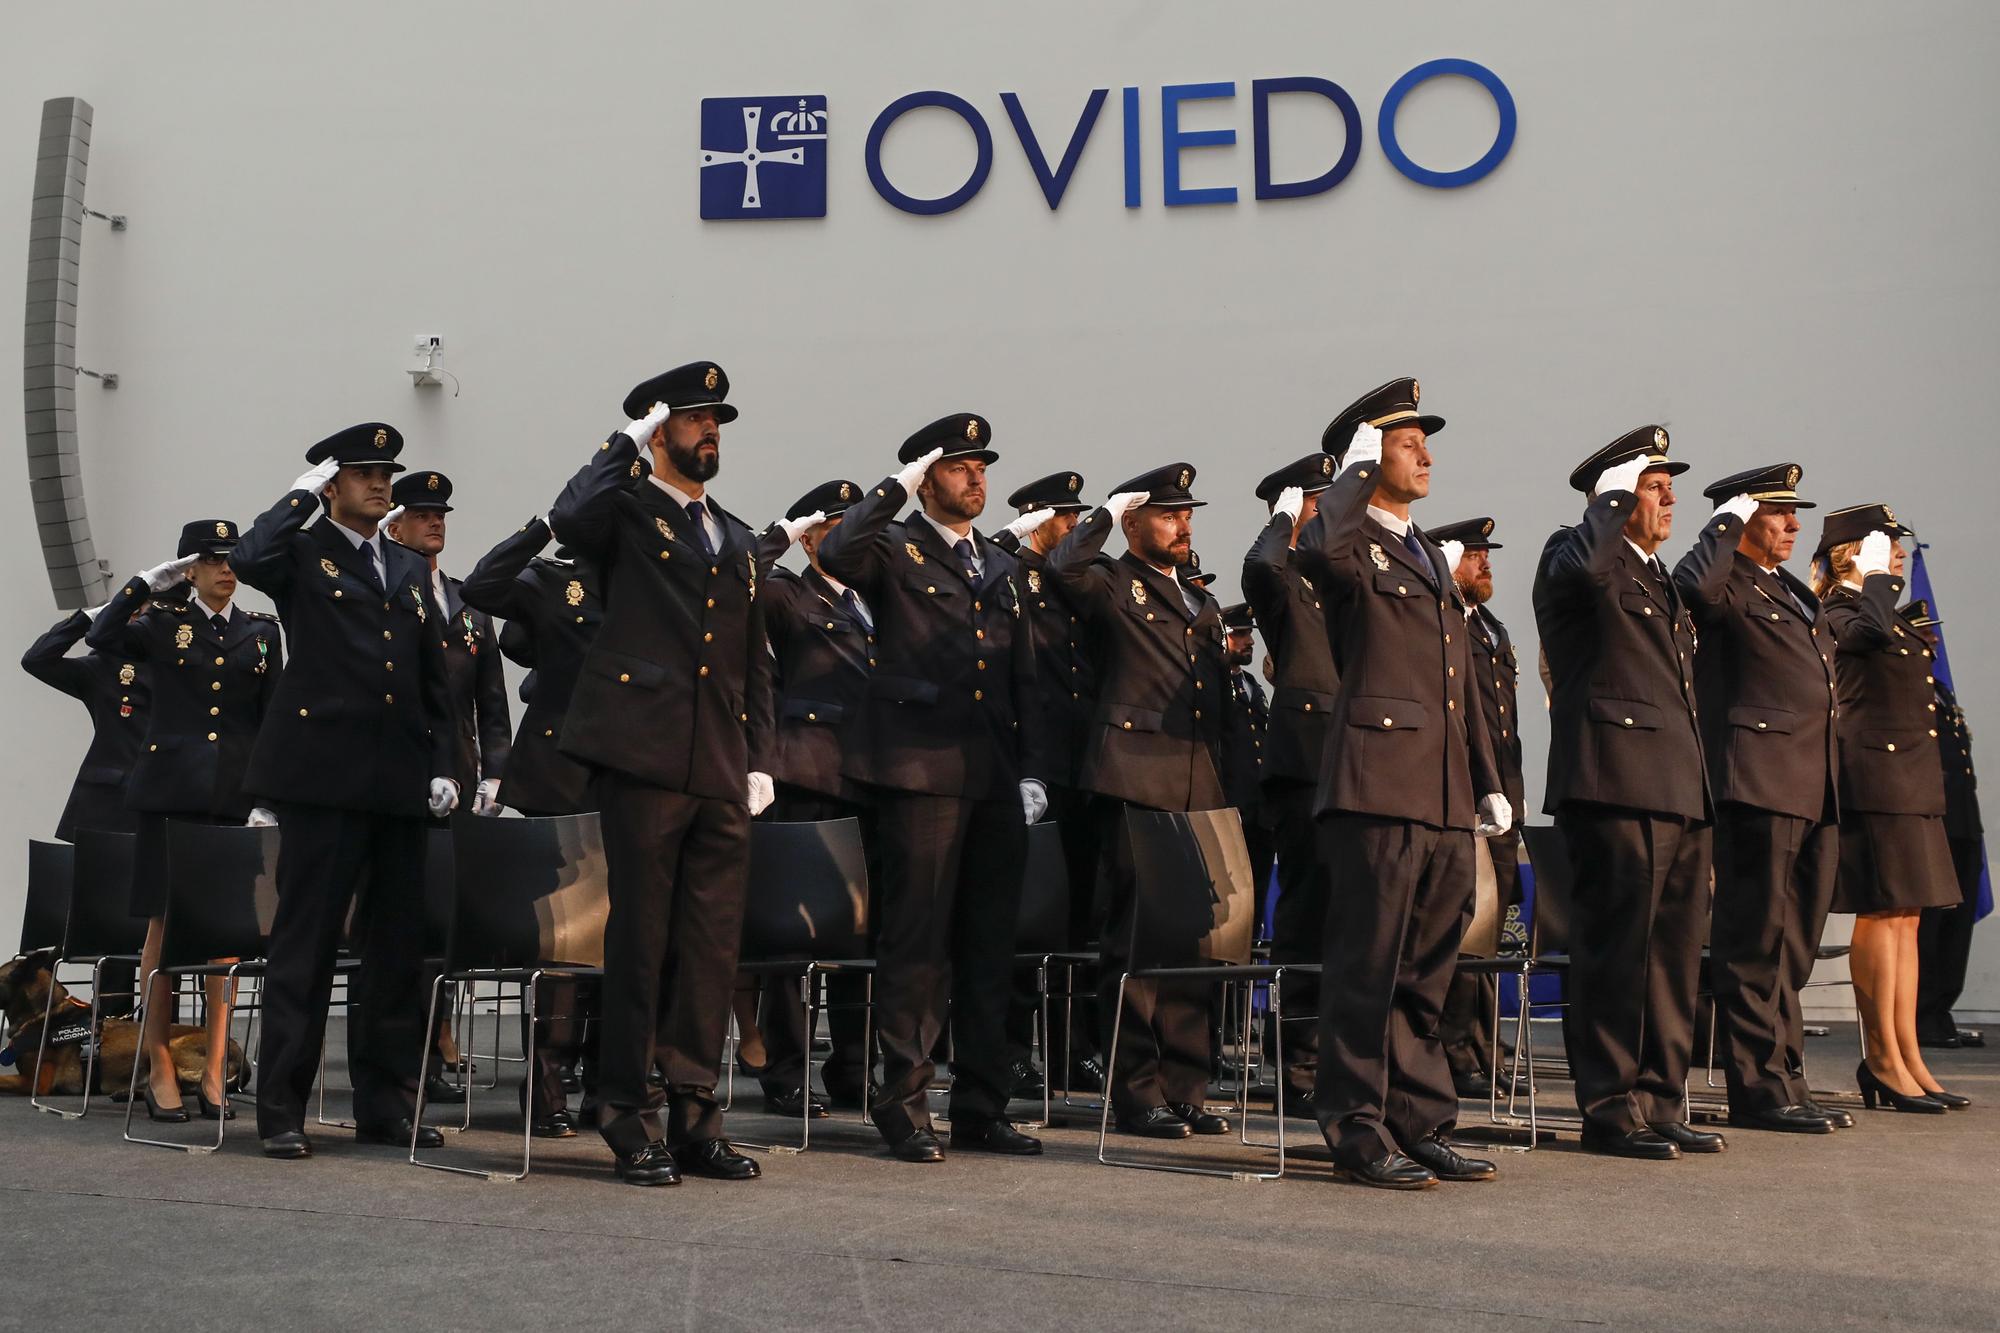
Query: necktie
point(697, 515)
point(376, 567)
point(1420, 555)
point(1189, 599)
point(855, 609)
point(1477, 620)
point(964, 548)
point(220, 622)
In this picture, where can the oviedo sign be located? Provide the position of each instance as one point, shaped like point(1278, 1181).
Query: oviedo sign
point(765, 157)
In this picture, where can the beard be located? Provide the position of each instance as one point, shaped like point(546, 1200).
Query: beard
point(1238, 657)
point(1478, 592)
point(691, 463)
point(961, 508)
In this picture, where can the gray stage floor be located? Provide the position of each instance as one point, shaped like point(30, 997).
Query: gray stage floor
point(1891, 1223)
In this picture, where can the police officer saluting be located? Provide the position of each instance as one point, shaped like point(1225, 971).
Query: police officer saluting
point(1407, 780)
point(1155, 744)
point(1467, 1024)
point(673, 711)
point(1288, 608)
point(1765, 685)
point(355, 752)
point(1629, 793)
point(949, 740)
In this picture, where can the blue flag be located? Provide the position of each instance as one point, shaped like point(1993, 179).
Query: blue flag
point(1920, 588)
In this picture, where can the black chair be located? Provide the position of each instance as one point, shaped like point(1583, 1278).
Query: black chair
point(51, 866)
point(806, 915)
point(222, 893)
point(1041, 937)
point(1194, 918)
point(98, 928)
point(529, 900)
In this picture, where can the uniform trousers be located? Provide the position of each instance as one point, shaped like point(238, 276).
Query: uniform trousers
point(1467, 1025)
point(1391, 945)
point(1635, 957)
point(1163, 1040)
point(1298, 919)
point(1774, 877)
point(781, 1019)
point(951, 891)
point(324, 855)
point(1944, 946)
point(677, 869)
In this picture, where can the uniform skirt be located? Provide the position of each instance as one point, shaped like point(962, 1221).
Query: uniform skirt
point(1894, 863)
point(149, 860)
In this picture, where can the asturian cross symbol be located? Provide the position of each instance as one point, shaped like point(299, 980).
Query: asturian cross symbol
point(752, 156)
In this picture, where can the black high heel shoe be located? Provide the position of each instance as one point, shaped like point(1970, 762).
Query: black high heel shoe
point(1951, 1100)
point(166, 1115)
point(1874, 1089)
point(212, 1111)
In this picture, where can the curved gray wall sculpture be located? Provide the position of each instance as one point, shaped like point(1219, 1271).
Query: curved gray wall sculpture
point(48, 366)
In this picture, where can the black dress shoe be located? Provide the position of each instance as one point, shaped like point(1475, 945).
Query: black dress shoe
point(1155, 1122)
point(1447, 1163)
point(211, 1110)
point(1087, 1074)
point(1971, 1037)
point(1687, 1138)
point(1391, 1171)
point(437, 1090)
point(1642, 1144)
point(1475, 1085)
point(1952, 1101)
point(1197, 1119)
point(396, 1134)
point(715, 1159)
point(793, 1105)
point(572, 1079)
point(993, 1136)
point(166, 1115)
point(651, 1165)
point(920, 1146)
point(1799, 1119)
point(288, 1143)
point(1833, 1115)
point(1026, 1080)
point(556, 1125)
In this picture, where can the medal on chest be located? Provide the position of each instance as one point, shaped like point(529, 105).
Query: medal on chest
point(263, 654)
point(471, 633)
point(417, 601)
point(183, 636)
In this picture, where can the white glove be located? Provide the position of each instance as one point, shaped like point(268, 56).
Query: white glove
point(1496, 816)
point(162, 577)
point(1029, 522)
point(640, 432)
point(913, 473)
point(1119, 504)
point(1365, 447)
point(762, 793)
point(392, 516)
point(316, 480)
point(486, 797)
point(1873, 557)
point(1034, 799)
point(93, 612)
point(444, 797)
point(1290, 501)
point(261, 818)
point(1453, 553)
point(1738, 506)
point(1620, 476)
point(796, 528)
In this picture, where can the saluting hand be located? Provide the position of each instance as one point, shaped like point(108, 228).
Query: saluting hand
point(913, 473)
point(1620, 477)
point(641, 432)
point(1118, 504)
point(1029, 522)
point(1873, 557)
point(1453, 553)
point(1291, 500)
point(1365, 447)
point(1496, 816)
point(796, 528)
point(1738, 507)
point(162, 577)
point(316, 479)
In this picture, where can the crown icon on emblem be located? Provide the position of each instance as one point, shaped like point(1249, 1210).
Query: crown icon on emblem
point(800, 121)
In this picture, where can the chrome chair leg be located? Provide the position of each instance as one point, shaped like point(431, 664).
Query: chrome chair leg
point(90, 1050)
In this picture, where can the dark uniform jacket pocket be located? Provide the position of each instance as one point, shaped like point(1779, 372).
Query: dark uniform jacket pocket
point(1625, 713)
point(1752, 718)
point(1382, 713)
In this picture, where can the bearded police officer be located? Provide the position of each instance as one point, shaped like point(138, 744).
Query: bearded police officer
point(356, 749)
point(552, 607)
point(1467, 1024)
point(1287, 604)
point(1628, 789)
point(1154, 744)
point(948, 741)
point(673, 712)
point(1048, 508)
point(1407, 780)
point(1765, 687)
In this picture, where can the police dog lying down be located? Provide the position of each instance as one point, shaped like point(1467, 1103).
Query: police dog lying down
point(30, 996)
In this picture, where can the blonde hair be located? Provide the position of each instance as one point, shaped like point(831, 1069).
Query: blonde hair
point(1832, 567)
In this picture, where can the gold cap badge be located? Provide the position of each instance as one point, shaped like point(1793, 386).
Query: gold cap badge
point(1792, 475)
point(1075, 483)
point(222, 529)
point(972, 429)
point(846, 491)
point(431, 482)
point(1659, 437)
point(381, 439)
point(709, 380)
point(1888, 514)
point(1416, 393)
point(1486, 528)
point(1326, 465)
point(1187, 476)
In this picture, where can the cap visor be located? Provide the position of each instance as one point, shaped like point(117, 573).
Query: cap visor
point(391, 464)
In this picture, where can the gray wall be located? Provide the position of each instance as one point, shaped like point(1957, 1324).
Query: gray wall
point(1768, 225)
